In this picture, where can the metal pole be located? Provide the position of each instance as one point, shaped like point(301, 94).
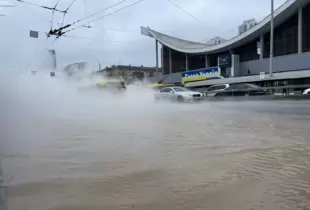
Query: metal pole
point(96, 60)
point(156, 44)
point(99, 64)
point(271, 40)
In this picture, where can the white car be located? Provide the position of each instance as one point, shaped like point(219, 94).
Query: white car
point(306, 92)
point(179, 94)
point(212, 90)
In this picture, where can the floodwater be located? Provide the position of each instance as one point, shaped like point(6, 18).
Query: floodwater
point(64, 149)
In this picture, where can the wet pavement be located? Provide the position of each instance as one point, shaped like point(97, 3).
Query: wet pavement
point(64, 150)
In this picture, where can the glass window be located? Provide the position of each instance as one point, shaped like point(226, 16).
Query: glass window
point(165, 90)
point(217, 87)
point(306, 28)
point(252, 86)
point(285, 38)
point(232, 87)
point(180, 89)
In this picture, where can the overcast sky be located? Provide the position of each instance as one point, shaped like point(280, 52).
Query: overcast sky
point(116, 39)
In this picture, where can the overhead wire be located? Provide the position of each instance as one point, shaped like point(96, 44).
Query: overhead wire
point(52, 21)
point(41, 6)
point(82, 19)
point(188, 13)
point(98, 12)
point(197, 19)
point(111, 13)
point(38, 54)
point(86, 11)
point(76, 37)
point(65, 13)
point(46, 48)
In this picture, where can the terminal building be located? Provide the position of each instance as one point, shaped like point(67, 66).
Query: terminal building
point(245, 56)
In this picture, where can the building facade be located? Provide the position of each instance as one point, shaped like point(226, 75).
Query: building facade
point(249, 52)
point(129, 72)
point(246, 25)
point(216, 40)
point(75, 68)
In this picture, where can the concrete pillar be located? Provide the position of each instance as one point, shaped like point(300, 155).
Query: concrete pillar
point(300, 21)
point(235, 65)
point(186, 62)
point(170, 62)
point(261, 42)
point(162, 59)
point(156, 47)
point(218, 65)
point(207, 61)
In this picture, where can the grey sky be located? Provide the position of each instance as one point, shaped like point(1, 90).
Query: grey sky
point(116, 39)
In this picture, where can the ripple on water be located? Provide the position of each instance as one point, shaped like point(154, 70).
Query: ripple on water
point(205, 156)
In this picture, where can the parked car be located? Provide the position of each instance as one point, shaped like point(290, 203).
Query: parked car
point(215, 77)
point(306, 92)
point(179, 94)
point(243, 89)
point(212, 90)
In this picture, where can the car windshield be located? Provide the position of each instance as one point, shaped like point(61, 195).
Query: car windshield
point(180, 89)
point(252, 86)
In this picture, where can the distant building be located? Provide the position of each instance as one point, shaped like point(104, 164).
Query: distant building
point(245, 54)
point(129, 72)
point(74, 68)
point(246, 25)
point(216, 40)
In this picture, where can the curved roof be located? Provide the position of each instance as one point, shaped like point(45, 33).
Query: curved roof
point(280, 15)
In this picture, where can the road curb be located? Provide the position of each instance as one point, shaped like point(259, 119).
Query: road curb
point(261, 98)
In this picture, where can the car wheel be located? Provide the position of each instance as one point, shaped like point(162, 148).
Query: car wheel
point(180, 99)
point(157, 99)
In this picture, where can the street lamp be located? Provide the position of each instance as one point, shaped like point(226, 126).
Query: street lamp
point(99, 63)
point(271, 40)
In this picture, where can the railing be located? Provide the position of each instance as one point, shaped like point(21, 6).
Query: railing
point(279, 92)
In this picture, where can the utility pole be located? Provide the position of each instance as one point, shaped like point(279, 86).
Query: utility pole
point(156, 49)
point(271, 39)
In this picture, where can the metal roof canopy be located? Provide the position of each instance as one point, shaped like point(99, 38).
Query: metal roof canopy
point(254, 78)
point(280, 15)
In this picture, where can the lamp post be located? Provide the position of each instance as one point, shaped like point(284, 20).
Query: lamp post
point(271, 40)
point(95, 58)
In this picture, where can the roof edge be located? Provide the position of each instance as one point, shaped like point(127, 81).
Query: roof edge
point(181, 45)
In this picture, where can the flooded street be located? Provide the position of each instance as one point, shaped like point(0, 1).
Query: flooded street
point(63, 149)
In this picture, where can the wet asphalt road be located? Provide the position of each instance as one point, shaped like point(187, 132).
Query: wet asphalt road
point(64, 149)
